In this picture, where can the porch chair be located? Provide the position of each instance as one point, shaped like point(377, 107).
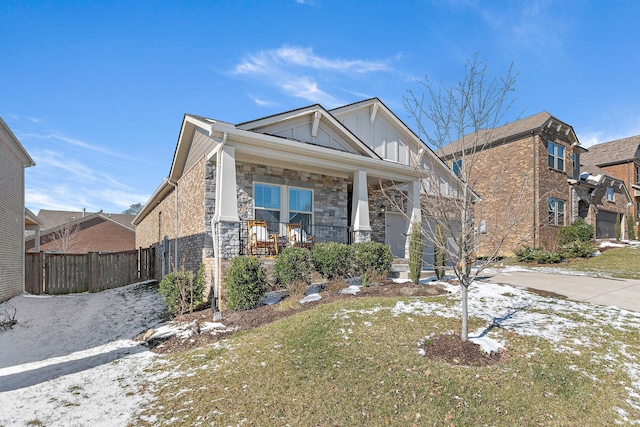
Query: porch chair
point(299, 238)
point(259, 238)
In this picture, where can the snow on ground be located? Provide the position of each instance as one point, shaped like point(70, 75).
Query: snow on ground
point(71, 359)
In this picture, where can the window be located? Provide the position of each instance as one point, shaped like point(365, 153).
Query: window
point(637, 174)
point(457, 167)
point(556, 211)
point(610, 194)
point(556, 156)
point(295, 207)
point(576, 165)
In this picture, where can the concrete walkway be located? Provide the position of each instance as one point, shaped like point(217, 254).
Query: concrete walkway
point(621, 293)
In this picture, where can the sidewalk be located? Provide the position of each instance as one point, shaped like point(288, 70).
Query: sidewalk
point(621, 293)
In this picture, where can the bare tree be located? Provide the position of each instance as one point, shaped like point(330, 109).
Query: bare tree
point(459, 122)
point(66, 239)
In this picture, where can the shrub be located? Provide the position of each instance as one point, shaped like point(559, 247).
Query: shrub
point(631, 231)
point(541, 256)
point(618, 227)
point(578, 230)
point(183, 291)
point(293, 265)
point(578, 249)
point(439, 254)
point(246, 283)
point(371, 259)
point(415, 253)
point(333, 260)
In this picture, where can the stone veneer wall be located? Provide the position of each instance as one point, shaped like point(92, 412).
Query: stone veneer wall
point(392, 200)
point(329, 196)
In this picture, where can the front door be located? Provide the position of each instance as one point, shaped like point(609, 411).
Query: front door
point(395, 233)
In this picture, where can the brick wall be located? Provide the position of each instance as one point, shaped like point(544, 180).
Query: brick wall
point(94, 235)
point(11, 224)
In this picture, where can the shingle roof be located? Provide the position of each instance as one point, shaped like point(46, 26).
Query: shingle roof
point(52, 219)
point(527, 124)
point(618, 151)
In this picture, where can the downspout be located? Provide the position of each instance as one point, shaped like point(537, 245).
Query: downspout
point(215, 307)
point(175, 243)
point(535, 189)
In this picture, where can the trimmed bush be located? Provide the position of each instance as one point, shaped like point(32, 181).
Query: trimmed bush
point(578, 230)
point(371, 259)
point(293, 265)
point(333, 260)
point(439, 254)
point(245, 282)
point(631, 231)
point(183, 291)
point(578, 249)
point(618, 227)
point(415, 253)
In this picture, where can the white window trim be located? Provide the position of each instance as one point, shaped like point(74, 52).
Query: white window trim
point(610, 194)
point(284, 201)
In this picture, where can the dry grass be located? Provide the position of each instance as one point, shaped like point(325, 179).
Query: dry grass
point(622, 263)
point(354, 362)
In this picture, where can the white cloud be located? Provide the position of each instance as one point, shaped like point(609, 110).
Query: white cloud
point(299, 72)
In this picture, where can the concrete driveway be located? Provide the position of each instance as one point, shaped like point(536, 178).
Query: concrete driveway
point(621, 293)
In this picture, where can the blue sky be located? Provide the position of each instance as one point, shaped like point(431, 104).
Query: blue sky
point(96, 91)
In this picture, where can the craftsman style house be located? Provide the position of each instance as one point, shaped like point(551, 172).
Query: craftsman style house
point(13, 160)
point(530, 170)
point(248, 188)
point(619, 159)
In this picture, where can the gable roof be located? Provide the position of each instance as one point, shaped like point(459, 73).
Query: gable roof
point(316, 114)
point(612, 152)
point(507, 133)
point(53, 219)
point(14, 145)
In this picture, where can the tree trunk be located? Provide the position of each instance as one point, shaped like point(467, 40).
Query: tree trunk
point(464, 334)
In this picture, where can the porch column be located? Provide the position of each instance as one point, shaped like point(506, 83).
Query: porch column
point(226, 219)
point(360, 219)
point(414, 211)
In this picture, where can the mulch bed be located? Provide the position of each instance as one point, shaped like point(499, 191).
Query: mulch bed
point(444, 348)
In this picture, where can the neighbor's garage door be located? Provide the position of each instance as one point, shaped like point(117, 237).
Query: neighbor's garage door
point(606, 225)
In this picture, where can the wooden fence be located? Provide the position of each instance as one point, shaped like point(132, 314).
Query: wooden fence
point(56, 273)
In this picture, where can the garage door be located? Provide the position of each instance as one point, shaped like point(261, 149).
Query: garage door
point(606, 225)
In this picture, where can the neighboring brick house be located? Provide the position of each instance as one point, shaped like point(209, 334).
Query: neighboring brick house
point(322, 168)
point(13, 160)
point(82, 232)
point(619, 159)
point(531, 165)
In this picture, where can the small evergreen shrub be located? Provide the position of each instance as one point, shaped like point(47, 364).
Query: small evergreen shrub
point(415, 253)
point(631, 231)
point(333, 260)
point(540, 256)
point(371, 259)
point(183, 291)
point(293, 265)
point(245, 282)
point(439, 254)
point(578, 230)
point(618, 227)
point(578, 249)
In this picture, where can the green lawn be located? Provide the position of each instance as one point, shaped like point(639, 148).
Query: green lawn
point(356, 362)
point(618, 262)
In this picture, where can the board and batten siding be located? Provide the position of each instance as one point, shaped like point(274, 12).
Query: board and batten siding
point(11, 223)
point(381, 136)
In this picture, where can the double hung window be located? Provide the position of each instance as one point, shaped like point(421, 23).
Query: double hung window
point(556, 211)
point(457, 167)
point(556, 155)
point(280, 203)
point(610, 194)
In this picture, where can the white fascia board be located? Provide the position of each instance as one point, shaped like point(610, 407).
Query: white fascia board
point(281, 148)
point(152, 202)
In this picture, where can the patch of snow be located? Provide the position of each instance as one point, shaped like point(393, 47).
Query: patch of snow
point(351, 290)
point(310, 298)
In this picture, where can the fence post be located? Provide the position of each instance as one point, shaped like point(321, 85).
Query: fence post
point(94, 272)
